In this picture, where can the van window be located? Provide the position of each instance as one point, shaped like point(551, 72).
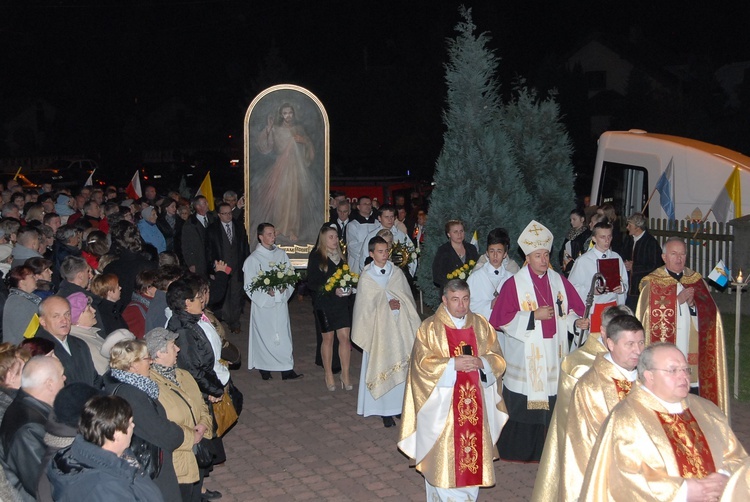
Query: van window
point(625, 187)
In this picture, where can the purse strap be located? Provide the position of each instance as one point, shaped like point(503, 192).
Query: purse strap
point(195, 422)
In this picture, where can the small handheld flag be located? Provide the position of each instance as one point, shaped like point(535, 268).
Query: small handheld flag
point(720, 274)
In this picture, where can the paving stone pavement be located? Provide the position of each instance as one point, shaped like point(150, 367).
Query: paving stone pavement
point(297, 441)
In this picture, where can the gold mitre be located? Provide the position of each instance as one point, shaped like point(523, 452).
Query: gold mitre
point(535, 237)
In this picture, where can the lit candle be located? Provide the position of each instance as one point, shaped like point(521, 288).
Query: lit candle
point(739, 277)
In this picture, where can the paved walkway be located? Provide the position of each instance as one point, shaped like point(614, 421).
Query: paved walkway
point(297, 441)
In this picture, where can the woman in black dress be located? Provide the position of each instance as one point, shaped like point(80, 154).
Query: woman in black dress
point(331, 307)
point(453, 254)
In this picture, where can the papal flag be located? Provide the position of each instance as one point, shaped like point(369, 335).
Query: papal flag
point(728, 204)
point(475, 240)
point(720, 274)
point(206, 190)
point(32, 327)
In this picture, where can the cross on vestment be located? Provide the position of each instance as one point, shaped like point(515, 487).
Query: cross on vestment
point(535, 229)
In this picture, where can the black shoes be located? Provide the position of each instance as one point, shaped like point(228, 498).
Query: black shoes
point(266, 375)
point(210, 495)
point(291, 375)
point(388, 422)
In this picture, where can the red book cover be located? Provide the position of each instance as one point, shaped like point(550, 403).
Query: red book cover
point(610, 269)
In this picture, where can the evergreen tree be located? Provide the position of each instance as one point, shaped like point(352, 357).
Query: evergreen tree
point(542, 149)
point(476, 179)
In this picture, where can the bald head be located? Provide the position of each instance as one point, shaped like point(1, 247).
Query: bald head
point(54, 316)
point(42, 378)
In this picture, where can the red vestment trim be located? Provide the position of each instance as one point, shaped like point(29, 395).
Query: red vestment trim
point(690, 447)
point(663, 316)
point(468, 412)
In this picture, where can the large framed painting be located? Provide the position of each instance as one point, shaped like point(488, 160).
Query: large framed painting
point(286, 168)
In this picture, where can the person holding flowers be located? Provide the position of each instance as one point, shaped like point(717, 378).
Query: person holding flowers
point(269, 286)
point(331, 281)
point(453, 255)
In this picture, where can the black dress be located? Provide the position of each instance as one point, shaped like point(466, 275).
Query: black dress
point(331, 311)
point(446, 261)
point(577, 247)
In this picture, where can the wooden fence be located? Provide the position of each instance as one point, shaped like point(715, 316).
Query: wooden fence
point(712, 242)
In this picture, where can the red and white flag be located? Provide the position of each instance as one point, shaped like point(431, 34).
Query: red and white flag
point(134, 187)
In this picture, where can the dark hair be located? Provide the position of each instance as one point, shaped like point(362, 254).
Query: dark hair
point(38, 264)
point(179, 292)
point(498, 236)
point(602, 225)
point(48, 217)
point(125, 235)
point(621, 324)
point(375, 241)
point(578, 212)
point(71, 266)
point(102, 416)
point(387, 207)
point(96, 243)
point(145, 279)
point(262, 228)
point(222, 204)
point(37, 346)
point(166, 275)
point(17, 274)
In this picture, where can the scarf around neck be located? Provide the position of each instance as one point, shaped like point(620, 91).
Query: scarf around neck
point(140, 382)
point(170, 373)
point(29, 296)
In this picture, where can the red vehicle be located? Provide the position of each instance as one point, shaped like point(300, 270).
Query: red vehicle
point(384, 190)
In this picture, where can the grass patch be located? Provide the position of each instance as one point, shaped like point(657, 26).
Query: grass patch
point(744, 380)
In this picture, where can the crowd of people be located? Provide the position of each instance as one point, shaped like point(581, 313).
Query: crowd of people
point(611, 373)
point(115, 314)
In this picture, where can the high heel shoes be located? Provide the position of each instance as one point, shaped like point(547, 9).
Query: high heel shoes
point(330, 386)
point(345, 386)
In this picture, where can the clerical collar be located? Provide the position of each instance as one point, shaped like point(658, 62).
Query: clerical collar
point(674, 275)
point(458, 322)
point(670, 407)
point(630, 375)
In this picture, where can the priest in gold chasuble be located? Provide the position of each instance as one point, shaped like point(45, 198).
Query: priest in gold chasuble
point(675, 306)
point(453, 407)
point(573, 367)
point(661, 442)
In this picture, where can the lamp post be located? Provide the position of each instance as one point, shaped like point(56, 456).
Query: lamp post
point(739, 285)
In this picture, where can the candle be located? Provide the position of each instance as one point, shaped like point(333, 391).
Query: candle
point(739, 277)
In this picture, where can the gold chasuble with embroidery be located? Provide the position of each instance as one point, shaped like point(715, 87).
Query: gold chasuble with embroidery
point(658, 310)
point(645, 453)
point(449, 431)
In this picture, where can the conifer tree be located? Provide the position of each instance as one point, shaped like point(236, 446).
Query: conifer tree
point(542, 150)
point(476, 179)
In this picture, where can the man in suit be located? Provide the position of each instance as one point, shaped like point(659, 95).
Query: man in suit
point(226, 240)
point(194, 237)
point(341, 219)
point(73, 353)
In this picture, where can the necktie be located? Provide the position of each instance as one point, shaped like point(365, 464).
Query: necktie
point(382, 271)
point(228, 226)
point(204, 221)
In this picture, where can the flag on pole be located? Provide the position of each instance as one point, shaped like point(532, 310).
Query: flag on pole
point(90, 180)
point(32, 327)
point(475, 240)
point(207, 191)
point(665, 186)
point(17, 173)
point(728, 204)
point(134, 187)
point(720, 274)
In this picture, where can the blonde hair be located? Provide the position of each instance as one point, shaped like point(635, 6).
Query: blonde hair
point(127, 352)
point(322, 250)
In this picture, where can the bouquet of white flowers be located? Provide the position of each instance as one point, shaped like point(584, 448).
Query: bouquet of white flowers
point(280, 276)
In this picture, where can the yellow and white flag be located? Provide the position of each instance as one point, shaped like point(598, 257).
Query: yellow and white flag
point(728, 204)
point(475, 240)
point(207, 191)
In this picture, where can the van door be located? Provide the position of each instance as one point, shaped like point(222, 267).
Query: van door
point(624, 186)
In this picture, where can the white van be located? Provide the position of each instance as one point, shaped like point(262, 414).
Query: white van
point(629, 163)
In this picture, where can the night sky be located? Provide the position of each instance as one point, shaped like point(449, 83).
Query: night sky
point(377, 66)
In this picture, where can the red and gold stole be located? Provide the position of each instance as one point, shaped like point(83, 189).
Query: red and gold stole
point(468, 412)
point(663, 316)
point(690, 447)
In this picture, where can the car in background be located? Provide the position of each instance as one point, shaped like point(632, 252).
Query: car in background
point(65, 173)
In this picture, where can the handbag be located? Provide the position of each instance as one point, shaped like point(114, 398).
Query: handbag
point(148, 455)
point(225, 414)
point(231, 354)
point(237, 398)
point(203, 452)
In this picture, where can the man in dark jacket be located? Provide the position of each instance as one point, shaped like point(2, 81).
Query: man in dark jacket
point(641, 254)
point(226, 241)
point(194, 237)
point(73, 353)
point(22, 430)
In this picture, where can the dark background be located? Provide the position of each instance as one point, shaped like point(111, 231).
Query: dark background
point(128, 77)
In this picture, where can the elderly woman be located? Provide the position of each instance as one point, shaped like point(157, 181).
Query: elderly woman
point(181, 397)
point(129, 378)
point(149, 231)
point(331, 308)
point(453, 254)
point(107, 302)
point(97, 465)
point(22, 304)
point(83, 318)
point(11, 366)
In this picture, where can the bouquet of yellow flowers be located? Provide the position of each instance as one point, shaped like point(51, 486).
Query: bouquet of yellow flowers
point(279, 276)
point(463, 271)
point(342, 278)
point(402, 254)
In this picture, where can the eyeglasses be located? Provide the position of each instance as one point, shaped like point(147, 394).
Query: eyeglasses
point(676, 371)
